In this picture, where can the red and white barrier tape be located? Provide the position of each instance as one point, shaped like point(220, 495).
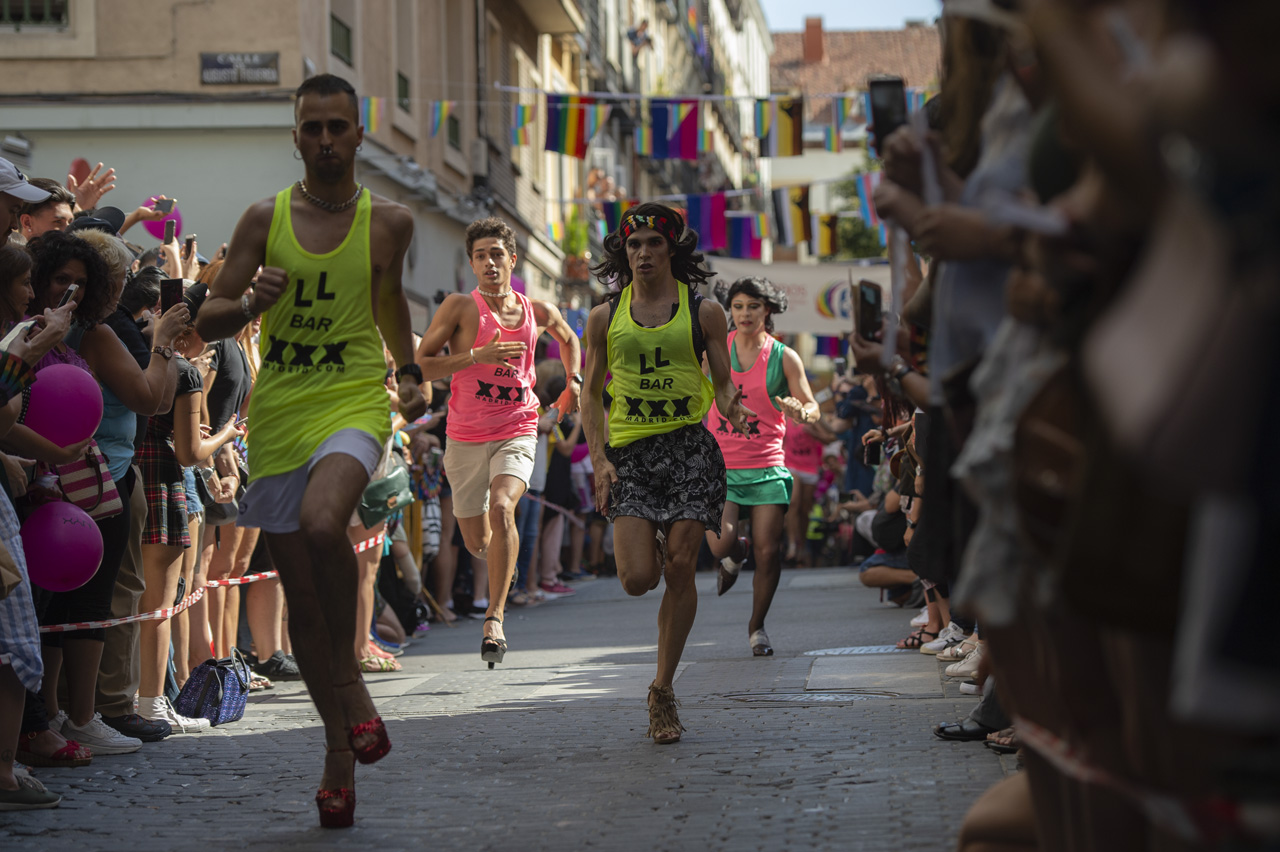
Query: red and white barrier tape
point(1204, 820)
point(170, 612)
point(569, 514)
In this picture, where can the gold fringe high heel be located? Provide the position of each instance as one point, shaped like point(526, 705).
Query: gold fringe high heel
point(664, 721)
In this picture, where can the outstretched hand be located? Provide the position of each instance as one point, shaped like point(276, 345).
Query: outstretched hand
point(735, 412)
point(90, 191)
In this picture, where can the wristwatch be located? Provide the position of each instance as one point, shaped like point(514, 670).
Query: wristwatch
point(898, 370)
point(911, 524)
point(165, 352)
point(576, 377)
point(410, 370)
point(246, 308)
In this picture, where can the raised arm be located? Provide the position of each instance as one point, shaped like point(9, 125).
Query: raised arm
point(549, 316)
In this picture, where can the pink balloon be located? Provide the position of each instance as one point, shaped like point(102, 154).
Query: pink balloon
point(66, 405)
point(63, 546)
point(156, 228)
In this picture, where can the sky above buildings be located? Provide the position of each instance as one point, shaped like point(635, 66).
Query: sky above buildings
point(848, 14)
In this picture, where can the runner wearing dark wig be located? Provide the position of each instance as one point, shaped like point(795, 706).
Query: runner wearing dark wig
point(660, 478)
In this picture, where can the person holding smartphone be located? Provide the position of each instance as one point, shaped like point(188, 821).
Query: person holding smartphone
point(773, 382)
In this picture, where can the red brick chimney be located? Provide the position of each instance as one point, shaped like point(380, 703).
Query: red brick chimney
point(813, 51)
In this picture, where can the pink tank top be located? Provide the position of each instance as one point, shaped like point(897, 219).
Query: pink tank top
point(762, 445)
point(493, 403)
point(803, 451)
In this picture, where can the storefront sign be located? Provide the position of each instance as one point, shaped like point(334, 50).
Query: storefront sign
point(227, 69)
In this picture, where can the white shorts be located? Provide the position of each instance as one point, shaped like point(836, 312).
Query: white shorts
point(473, 465)
point(273, 504)
point(804, 476)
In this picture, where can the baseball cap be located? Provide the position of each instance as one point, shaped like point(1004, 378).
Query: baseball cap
point(109, 219)
point(15, 183)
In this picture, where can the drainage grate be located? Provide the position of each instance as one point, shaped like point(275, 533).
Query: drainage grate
point(807, 697)
point(862, 649)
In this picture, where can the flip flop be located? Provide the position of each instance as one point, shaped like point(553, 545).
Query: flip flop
point(1001, 748)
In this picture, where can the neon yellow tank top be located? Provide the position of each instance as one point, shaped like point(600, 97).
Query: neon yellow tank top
point(323, 368)
point(657, 384)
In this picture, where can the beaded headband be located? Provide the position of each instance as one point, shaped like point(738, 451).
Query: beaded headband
point(661, 224)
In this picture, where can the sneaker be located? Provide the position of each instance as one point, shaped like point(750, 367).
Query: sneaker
point(574, 576)
point(56, 723)
point(950, 635)
point(160, 709)
point(133, 725)
point(556, 589)
point(100, 737)
point(278, 667)
point(971, 687)
point(956, 653)
point(967, 667)
point(31, 795)
point(923, 618)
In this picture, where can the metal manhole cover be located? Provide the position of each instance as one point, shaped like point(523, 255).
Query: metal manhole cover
point(861, 649)
point(808, 697)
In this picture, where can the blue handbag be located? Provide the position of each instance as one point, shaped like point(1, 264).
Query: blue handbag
point(217, 690)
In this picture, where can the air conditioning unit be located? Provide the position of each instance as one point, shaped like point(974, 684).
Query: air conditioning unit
point(479, 163)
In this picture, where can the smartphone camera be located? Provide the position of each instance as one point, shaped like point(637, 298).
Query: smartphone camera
point(873, 454)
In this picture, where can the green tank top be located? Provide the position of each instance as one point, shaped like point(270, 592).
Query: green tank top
point(657, 384)
point(323, 368)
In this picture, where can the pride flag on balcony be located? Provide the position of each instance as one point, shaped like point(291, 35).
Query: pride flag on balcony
point(522, 124)
point(372, 111)
point(670, 131)
point(567, 125)
point(706, 216)
point(743, 241)
point(439, 114)
point(597, 115)
point(613, 211)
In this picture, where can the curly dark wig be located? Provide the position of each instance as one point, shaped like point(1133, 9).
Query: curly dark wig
point(53, 250)
point(757, 288)
point(686, 261)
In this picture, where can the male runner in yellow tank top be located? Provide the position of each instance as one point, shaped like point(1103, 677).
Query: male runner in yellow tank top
point(660, 477)
point(331, 256)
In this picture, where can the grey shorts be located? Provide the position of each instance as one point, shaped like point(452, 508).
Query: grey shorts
point(273, 504)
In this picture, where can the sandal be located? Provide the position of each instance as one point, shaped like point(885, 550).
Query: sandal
point(65, 756)
point(917, 639)
point(664, 722)
point(257, 683)
point(374, 663)
point(339, 814)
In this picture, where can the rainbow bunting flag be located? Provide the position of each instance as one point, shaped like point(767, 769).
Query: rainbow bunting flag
point(832, 140)
point(704, 139)
point(691, 20)
point(825, 240)
point(784, 124)
point(670, 131)
point(916, 99)
point(867, 183)
point(597, 115)
point(439, 114)
point(613, 211)
point(522, 124)
point(840, 110)
point(743, 241)
point(791, 215)
point(566, 125)
point(706, 216)
point(372, 111)
point(555, 230)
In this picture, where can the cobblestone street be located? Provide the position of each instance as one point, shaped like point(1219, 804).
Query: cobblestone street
point(798, 751)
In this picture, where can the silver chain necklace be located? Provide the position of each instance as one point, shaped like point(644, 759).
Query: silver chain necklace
point(329, 205)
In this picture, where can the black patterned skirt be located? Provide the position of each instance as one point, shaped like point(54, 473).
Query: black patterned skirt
point(166, 493)
point(676, 476)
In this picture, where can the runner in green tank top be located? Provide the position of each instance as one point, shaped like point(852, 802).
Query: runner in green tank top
point(331, 256)
point(660, 477)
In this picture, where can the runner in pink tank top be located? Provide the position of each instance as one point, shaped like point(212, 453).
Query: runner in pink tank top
point(492, 402)
point(493, 413)
point(774, 385)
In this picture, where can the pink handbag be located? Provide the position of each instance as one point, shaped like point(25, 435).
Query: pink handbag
point(88, 484)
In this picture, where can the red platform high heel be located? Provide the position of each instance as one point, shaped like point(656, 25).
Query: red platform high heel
point(340, 817)
point(344, 814)
point(377, 749)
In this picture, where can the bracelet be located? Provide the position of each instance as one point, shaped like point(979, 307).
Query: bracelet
point(16, 376)
point(472, 353)
point(246, 308)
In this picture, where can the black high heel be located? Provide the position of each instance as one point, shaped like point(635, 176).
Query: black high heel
point(492, 650)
